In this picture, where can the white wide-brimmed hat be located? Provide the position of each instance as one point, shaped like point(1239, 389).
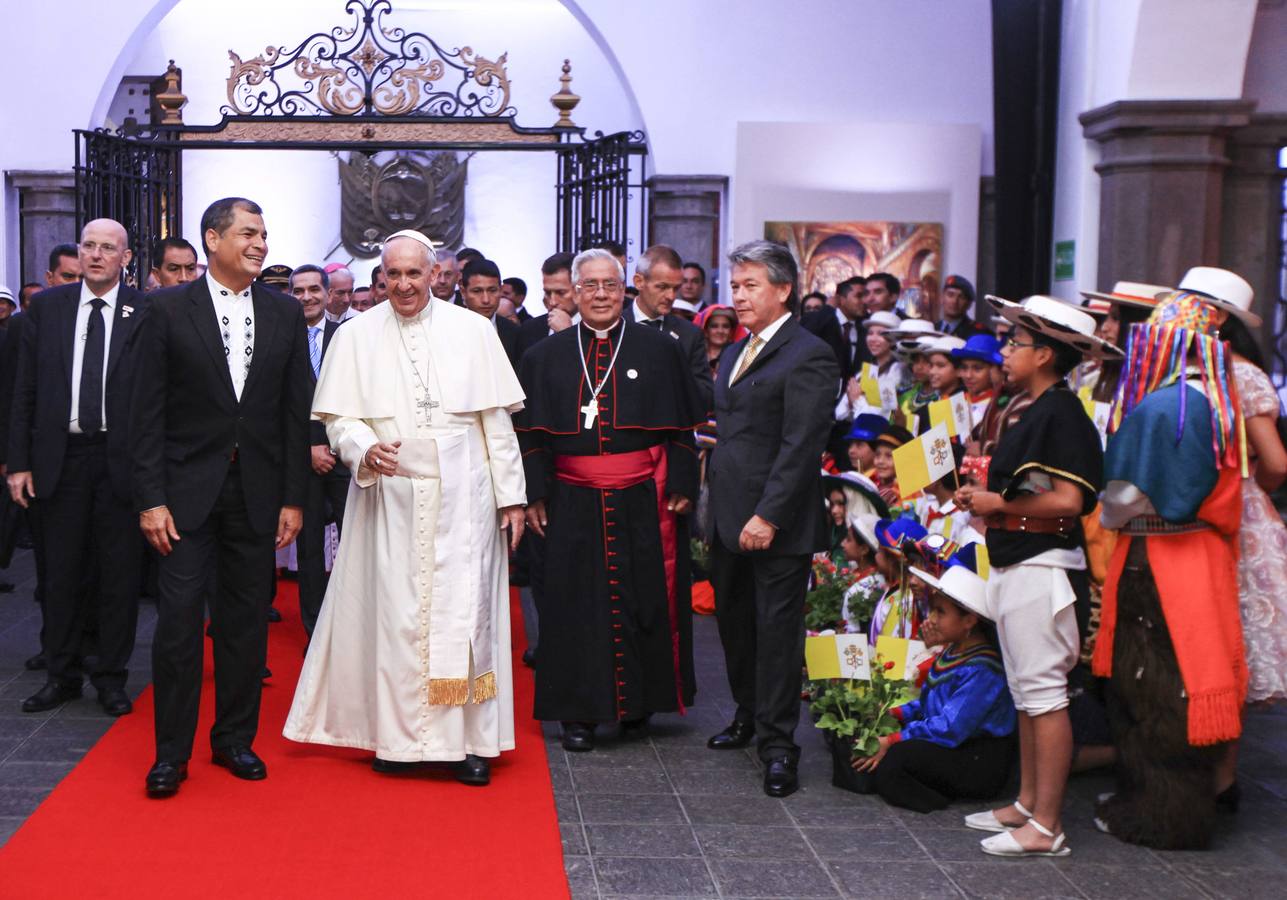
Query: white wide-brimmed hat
point(962, 585)
point(865, 526)
point(914, 328)
point(885, 318)
point(1055, 319)
point(1124, 293)
point(684, 306)
point(1222, 289)
point(6, 294)
point(942, 344)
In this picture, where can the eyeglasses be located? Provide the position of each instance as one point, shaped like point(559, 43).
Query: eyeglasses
point(1012, 344)
point(91, 246)
point(593, 287)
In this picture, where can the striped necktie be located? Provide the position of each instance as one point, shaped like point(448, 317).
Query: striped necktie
point(752, 350)
point(315, 350)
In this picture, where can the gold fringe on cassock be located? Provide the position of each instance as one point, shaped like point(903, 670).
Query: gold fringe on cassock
point(455, 691)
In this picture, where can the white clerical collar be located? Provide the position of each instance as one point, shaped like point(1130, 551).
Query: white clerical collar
point(86, 295)
point(767, 334)
point(641, 316)
point(219, 290)
point(602, 334)
point(422, 316)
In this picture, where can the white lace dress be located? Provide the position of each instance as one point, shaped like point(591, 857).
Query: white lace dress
point(1262, 562)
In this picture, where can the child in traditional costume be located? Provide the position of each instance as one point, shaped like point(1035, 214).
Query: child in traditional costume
point(1170, 638)
point(1045, 472)
point(897, 613)
point(884, 476)
point(910, 346)
point(888, 372)
point(957, 740)
point(978, 361)
point(849, 494)
point(944, 376)
point(861, 547)
point(860, 441)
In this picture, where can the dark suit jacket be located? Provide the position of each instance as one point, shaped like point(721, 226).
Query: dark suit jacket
point(532, 332)
point(964, 329)
point(773, 426)
point(511, 338)
point(42, 390)
point(693, 341)
point(188, 421)
point(316, 430)
point(9, 344)
point(825, 325)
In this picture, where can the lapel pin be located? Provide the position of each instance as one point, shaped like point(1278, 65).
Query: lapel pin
point(632, 374)
point(675, 336)
point(125, 311)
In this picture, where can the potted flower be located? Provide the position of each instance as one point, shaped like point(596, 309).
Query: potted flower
point(855, 715)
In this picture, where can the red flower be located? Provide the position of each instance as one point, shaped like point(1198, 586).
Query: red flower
point(889, 665)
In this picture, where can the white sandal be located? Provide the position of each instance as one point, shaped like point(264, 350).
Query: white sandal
point(1004, 844)
point(988, 821)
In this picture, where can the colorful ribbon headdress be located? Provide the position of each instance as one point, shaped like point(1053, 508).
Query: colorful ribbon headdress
point(1179, 341)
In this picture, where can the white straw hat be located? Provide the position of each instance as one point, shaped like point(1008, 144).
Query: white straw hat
point(1124, 293)
point(1055, 319)
point(1222, 289)
point(962, 585)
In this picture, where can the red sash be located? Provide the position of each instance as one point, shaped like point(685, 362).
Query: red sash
point(617, 471)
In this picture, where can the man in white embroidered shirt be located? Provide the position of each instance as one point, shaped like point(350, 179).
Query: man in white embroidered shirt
point(411, 654)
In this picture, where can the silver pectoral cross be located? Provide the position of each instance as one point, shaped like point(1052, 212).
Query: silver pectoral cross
point(427, 404)
point(591, 412)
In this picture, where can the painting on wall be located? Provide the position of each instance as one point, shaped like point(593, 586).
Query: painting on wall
point(827, 253)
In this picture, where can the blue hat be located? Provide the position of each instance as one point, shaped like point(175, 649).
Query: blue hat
point(983, 347)
point(867, 427)
point(892, 533)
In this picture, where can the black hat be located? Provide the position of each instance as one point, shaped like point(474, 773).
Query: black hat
point(277, 276)
point(962, 284)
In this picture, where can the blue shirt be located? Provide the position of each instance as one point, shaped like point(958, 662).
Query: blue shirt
point(965, 696)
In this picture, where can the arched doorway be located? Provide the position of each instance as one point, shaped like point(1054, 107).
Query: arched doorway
point(365, 84)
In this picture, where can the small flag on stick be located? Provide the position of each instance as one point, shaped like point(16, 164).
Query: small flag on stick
point(923, 461)
point(870, 385)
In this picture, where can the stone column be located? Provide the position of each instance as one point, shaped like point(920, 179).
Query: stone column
point(1161, 191)
point(1252, 225)
point(685, 213)
point(47, 216)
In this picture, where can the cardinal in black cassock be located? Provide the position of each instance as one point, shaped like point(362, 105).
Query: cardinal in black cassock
point(616, 622)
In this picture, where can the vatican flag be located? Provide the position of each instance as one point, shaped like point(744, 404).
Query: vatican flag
point(923, 461)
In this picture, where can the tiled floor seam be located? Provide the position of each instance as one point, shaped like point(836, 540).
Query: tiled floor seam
point(683, 811)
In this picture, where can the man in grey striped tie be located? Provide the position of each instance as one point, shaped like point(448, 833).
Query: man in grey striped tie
point(329, 482)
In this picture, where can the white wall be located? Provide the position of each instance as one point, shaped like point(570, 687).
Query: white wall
point(1144, 50)
point(913, 173)
point(693, 69)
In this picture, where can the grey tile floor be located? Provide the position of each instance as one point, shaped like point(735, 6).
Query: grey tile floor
point(664, 816)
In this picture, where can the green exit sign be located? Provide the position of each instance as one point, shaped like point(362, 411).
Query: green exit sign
point(1065, 256)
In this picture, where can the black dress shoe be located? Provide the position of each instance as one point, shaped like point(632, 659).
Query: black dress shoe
point(780, 779)
point(578, 737)
point(274, 615)
point(529, 657)
point(635, 728)
point(163, 778)
point(115, 702)
point(474, 770)
point(52, 695)
point(733, 737)
point(242, 762)
point(36, 663)
point(1228, 800)
point(390, 767)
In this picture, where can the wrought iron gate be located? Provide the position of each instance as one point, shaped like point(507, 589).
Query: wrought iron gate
point(135, 180)
point(600, 179)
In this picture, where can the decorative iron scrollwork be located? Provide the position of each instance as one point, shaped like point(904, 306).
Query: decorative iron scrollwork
point(368, 69)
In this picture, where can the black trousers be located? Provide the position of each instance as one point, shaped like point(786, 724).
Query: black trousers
point(241, 560)
point(87, 529)
point(759, 605)
point(924, 776)
point(323, 504)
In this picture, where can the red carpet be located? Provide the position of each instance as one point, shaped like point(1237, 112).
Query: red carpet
point(322, 824)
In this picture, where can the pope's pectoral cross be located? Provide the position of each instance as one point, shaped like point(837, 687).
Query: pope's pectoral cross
point(427, 405)
point(591, 412)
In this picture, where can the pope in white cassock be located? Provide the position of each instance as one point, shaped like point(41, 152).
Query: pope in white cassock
point(411, 654)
